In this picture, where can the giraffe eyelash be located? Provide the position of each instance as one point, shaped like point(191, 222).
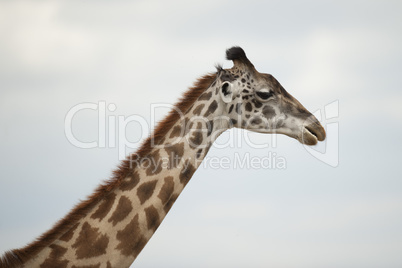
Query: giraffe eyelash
point(264, 95)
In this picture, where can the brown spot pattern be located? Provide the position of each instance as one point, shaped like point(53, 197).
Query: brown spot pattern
point(170, 203)
point(231, 108)
point(90, 242)
point(257, 104)
point(131, 239)
point(176, 131)
point(198, 154)
point(54, 259)
point(166, 190)
point(268, 111)
point(197, 138)
point(249, 107)
point(152, 216)
point(175, 153)
point(190, 126)
point(212, 107)
point(129, 184)
point(145, 190)
point(154, 163)
point(123, 208)
point(187, 172)
point(69, 234)
point(197, 111)
point(205, 96)
point(104, 207)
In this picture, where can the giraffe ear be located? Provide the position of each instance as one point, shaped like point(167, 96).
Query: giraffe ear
point(226, 92)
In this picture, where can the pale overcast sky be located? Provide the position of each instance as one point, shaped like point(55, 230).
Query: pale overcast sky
point(340, 58)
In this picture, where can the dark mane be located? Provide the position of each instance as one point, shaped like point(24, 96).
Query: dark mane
point(17, 257)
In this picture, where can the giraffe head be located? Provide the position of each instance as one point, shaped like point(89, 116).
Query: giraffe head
point(257, 102)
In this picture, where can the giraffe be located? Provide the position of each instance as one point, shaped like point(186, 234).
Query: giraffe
point(112, 226)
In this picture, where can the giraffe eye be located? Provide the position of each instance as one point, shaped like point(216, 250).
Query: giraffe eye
point(264, 95)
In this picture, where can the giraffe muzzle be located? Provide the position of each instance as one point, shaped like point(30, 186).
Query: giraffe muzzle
point(312, 132)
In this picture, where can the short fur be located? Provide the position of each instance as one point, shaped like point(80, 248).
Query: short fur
point(17, 257)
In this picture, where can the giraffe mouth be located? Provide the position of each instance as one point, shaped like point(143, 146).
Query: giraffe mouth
point(311, 134)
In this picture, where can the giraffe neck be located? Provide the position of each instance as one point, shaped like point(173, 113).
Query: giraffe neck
point(116, 229)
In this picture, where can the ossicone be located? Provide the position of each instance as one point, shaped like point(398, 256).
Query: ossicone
point(238, 56)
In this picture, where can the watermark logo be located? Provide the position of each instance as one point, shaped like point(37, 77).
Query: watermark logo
point(112, 130)
point(110, 127)
point(271, 161)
